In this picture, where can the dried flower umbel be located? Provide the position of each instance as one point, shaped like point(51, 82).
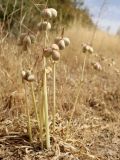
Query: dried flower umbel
point(86, 48)
point(25, 40)
point(28, 76)
point(62, 42)
point(48, 13)
point(52, 51)
point(43, 26)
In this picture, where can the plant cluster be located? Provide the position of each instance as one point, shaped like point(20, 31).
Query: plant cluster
point(51, 53)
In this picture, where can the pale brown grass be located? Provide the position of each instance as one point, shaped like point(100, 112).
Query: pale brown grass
point(95, 127)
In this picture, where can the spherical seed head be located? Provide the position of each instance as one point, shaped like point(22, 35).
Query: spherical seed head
point(61, 44)
point(55, 55)
point(55, 46)
point(46, 13)
point(44, 26)
point(27, 41)
point(67, 41)
point(31, 78)
point(23, 74)
point(57, 39)
point(47, 52)
point(54, 12)
point(90, 50)
point(28, 76)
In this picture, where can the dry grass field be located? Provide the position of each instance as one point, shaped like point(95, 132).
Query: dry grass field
point(94, 132)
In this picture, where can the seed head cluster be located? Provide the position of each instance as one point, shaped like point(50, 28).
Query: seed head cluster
point(62, 42)
point(28, 76)
point(53, 52)
point(86, 48)
point(25, 40)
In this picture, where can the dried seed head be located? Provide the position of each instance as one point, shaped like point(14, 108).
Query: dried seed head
point(61, 44)
point(31, 78)
point(55, 46)
point(97, 66)
point(55, 55)
point(46, 13)
point(28, 76)
point(44, 26)
point(57, 39)
point(90, 50)
point(67, 41)
point(85, 47)
point(54, 12)
point(27, 41)
point(47, 52)
point(23, 74)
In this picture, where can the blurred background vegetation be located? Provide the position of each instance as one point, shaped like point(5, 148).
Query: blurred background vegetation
point(16, 12)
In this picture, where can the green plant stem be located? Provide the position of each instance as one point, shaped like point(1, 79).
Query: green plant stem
point(28, 115)
point(54, 94)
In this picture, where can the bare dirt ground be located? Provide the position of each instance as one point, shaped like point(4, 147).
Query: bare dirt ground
point(94, 133)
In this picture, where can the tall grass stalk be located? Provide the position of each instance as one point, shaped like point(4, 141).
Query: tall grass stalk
point(46, 98)
point(78, 92)
point(41, 115)
point(28, 115)
point(21, 14)
point(46, 107)
point(11, 18)
point(97, 22)
point(54, 94)
point(35, 108)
